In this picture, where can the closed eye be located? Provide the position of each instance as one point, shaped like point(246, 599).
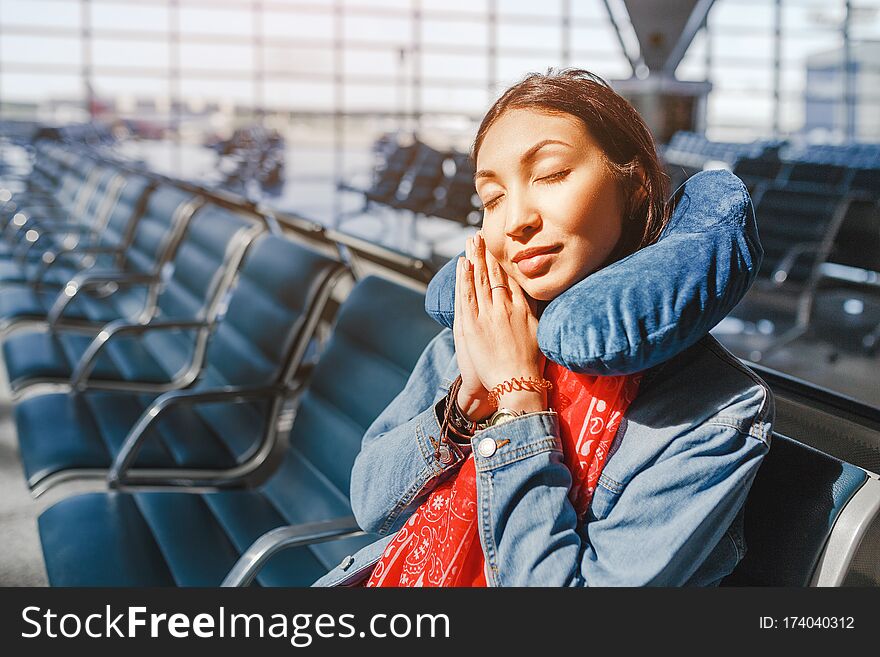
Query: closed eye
point(555, 177)
point(488, 205)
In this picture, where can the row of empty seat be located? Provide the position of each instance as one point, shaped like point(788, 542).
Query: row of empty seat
point(224, 428)
point(693, 149)
point(809, 215)
point(413, 176)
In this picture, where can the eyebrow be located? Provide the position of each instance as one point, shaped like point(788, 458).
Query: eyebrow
point(524, 158)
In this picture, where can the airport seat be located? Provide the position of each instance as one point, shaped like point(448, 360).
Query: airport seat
point(70, 190)
point(272, 312)
point(121, 539)
point(416, 189)
point(60, 257)
point(757, 171)
point(22, 253)
point(810, 520)
point(122, 279)
point(164, 356)
point(456, 197)
point(390, 172)
point(857, 243)
point(866, 183)
point(396, 159)
point(809, 175)
point(797, 230)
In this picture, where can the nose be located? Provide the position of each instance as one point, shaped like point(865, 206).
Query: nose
point(523, 218)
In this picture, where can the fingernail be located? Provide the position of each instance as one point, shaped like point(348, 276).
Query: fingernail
point(478, 239)
point(467, 265)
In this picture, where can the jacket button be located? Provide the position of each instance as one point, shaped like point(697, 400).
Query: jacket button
point(487, 447)
point(346, 562)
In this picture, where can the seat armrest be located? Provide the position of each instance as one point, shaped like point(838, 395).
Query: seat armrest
point(85, 280)
point(783, 269)
point(135, 438)
point(80, 376)
point(272, 542)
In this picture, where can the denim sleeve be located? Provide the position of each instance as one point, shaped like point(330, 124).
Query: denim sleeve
point(659, 528)
point(397, 467)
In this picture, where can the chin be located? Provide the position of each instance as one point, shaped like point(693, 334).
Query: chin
point(541, 290)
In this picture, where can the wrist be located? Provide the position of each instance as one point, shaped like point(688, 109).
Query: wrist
point(473, 406)
point(525, 401)
point(525, 393)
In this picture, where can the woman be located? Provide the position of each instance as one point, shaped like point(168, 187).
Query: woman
point(496, 466)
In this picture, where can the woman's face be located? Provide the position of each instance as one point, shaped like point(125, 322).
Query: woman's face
point(552, 209)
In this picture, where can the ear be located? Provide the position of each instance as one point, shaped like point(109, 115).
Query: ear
point(653, 304)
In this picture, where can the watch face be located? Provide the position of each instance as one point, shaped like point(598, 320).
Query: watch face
point(501, 416)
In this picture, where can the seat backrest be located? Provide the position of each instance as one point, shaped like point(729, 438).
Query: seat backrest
point(416, 188)
point(828, 175)
point(799, 516)
point(127, 209)
point(388, 175)
point(102, 199)
point(266, 310)
point(275, 303)
point(158, 232)
point(211, 250)
point(787, 218)
point(857, 243)
point(866, 182)
point(761, 168)
point(74, 187)
point(458, 198)
point(380, 332)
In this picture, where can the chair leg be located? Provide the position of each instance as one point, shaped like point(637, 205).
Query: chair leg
point(784, 339)
point(871, 341)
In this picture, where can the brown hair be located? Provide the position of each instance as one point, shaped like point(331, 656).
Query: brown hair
point(619, 131)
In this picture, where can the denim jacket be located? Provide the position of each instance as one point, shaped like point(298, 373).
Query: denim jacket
point(668, 508)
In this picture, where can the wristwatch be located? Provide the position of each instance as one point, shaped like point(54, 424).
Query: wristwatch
point(500, 416)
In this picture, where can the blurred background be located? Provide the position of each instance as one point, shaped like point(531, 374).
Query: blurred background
point(358, 114)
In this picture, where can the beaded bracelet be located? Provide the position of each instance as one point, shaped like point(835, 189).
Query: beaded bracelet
point(517, 383)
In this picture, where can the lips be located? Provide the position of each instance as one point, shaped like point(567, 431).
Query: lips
point(536, 260)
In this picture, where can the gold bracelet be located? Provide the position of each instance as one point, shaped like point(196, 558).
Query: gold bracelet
point(517, 383)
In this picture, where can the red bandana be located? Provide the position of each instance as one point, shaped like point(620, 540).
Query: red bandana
point(438, 545)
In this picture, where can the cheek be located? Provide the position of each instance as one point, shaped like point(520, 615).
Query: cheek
point(494, 242)
point(597, 219)
point(495, 246)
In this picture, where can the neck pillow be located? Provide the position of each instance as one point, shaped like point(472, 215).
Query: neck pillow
point(648, 307)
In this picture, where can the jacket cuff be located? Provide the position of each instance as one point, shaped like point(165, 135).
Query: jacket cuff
point(517, 439)
point(449, 454)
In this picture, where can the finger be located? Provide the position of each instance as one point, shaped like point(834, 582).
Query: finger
point(480, 273)
point(459, 287)
point(456, 322)
point(459, 314)
point(497, 276)
point(468, 306)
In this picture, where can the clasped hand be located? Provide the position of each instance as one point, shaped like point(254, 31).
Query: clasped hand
point(495, 332)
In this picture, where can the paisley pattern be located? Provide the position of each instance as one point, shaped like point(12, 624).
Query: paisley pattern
point(439, 545)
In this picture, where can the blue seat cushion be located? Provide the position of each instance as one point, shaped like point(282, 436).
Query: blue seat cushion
point(165, 538)
point(60, 431)
point(128, 556)
point(653, 304)
point(32, 357)
point(21, 302)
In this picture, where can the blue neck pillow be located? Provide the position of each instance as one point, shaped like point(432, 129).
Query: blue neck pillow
point(648, 307)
